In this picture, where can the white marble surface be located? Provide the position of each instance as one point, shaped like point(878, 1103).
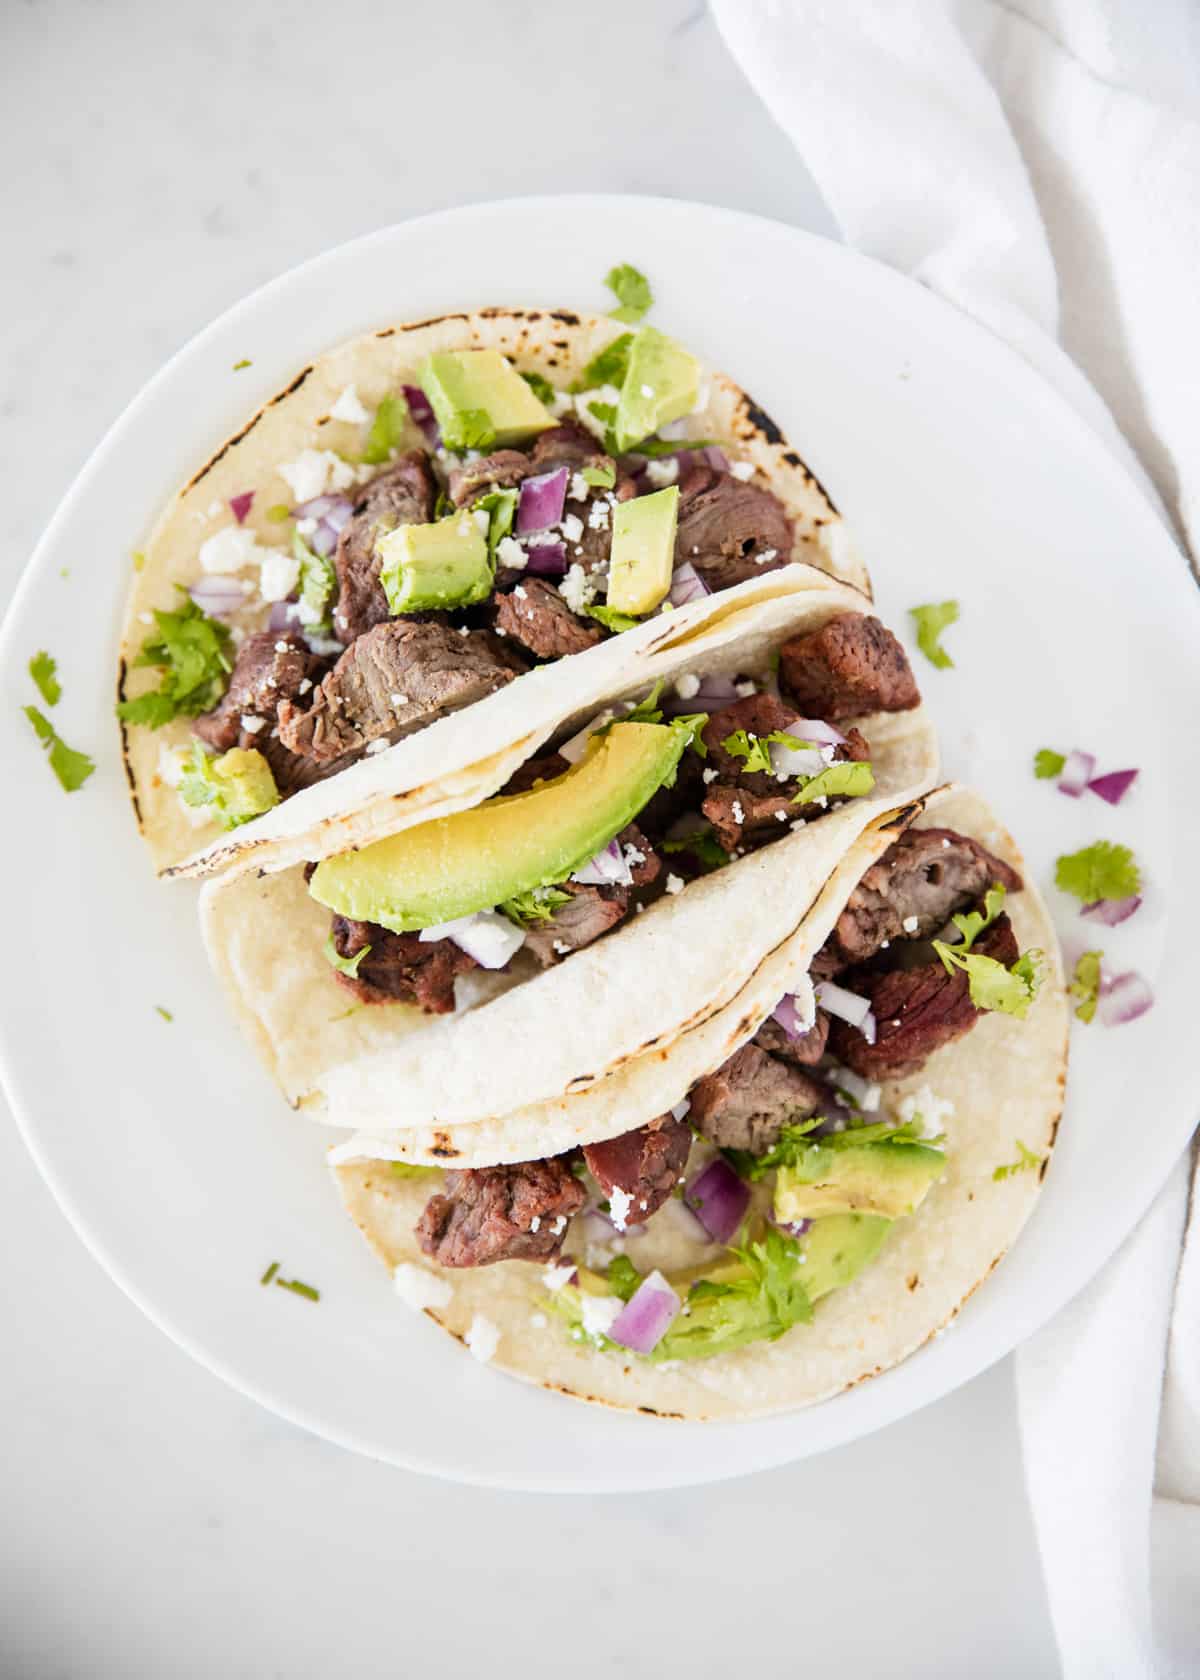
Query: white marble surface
point(162, 160)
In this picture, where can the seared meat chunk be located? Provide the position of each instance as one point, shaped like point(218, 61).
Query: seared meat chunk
point(393, 680)
point(569, 444)
point(504, 469)
point(926, 877)
point(850, 666)
point(917, 1010)
point(271, 669)
point(729, 530)
point(752, 806)
point(638, 1170)
point(536, 615)
point(592, 910)
point(485, 1214)
point(398, 968)
point(805, 1051)
point(748, 1101)
point(403, 494)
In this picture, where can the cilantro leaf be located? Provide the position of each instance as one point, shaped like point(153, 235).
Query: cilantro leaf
point(612, 619)
point(1026, 1161)
point(609, 367)
point(244, 363)
point(655, 447)
point(647, 709)
point(42, 669)
point(601, 478)
point(541, 388)
point(278, 513)
point(756, 749)
point(165, 1013)
point(632, 292)
point(702, 845)
point(761, 1306)
point(344, 965)
point(192, 652)
point(1085, 984)
point(1047, 763)
point(692, 725)
point(72, 768)
point(623, 1277)
point(991, 985)
point(973, 922)
point(930, 621)
point(537, 905)
point(606, 413)
point(848, 779)
point(318, 580)
point(387, 428)
point(236, 787)
point(785, 1152)
point(501, 509)
point(1101, 870)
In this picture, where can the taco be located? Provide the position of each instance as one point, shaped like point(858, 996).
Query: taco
point(792, 1197)
point(426, 519)
point(610, 892)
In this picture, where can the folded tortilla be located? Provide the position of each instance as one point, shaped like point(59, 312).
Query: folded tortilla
point(555, 343)
point(999, 1093)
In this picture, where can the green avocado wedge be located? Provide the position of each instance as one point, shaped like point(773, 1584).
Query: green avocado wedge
point(643, 551)
point(431, 566)
point(661, 383)
point(479, 399)
point(506, 846)
point(889, 1179)
point(836, 1249)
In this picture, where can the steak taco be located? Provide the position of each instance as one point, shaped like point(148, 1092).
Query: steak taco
point(797, 1193)
point(620, 886)
point(433, 520)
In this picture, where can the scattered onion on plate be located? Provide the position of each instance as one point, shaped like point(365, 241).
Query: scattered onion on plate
point(1113, 785)
point(239, 506)
point(1111, 911)
point(1077, 772)
point(1124, 998)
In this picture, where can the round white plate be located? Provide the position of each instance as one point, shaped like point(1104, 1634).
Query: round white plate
point(963, 475)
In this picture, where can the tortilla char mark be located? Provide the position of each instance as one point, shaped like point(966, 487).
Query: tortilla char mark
point(238, 437)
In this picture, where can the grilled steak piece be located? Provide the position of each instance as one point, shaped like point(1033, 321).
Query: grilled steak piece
point(592, 910)
point(929, 874)
point(849, 667)
point(569, 444)
point(729, 530)
point(917, 1010)
point(485, 1214)
point(752, 806)
point(504, 469)
point(536, 615)
point(393, 680)
point(805, 1051)
point(403, 494)
point(271, 669)
point(398, 968)
point(748, 1101)
point(638, 1170)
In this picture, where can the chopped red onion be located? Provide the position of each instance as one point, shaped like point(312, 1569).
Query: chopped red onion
point(847, 1006)
point(609, 868)
point(862, 1091)
point(687, 585)
point(647, 1316)
point(1112, 911)
point(815, 729)
point(487, 936)
point(317, 508)
point(790, 1019)
point(542, 501)
point(1076, 773)
point(220, 596)
point(1113, 785)
point(422, 414)
point(239, 506)
point(719, 1199)
point(546, 559)
point(285, 615)
point(796, 761)
point(339, 515)
point(323, 540)
point(1123, 999)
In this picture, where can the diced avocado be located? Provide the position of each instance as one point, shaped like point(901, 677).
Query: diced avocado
point(643, 551)
point(662, 382)
point(479, 399)
point(440, 565)
point(885, 1178)
point(235, 787)
point(440, 870)
point(837, 1248)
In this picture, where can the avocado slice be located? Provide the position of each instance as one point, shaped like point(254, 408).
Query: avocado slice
point(441, 565)
point(480, 399)
point(837, 1248)
point(643, 551)
point(662, 382)
point(236, 787)
point(883, 1178)
point(440, 870)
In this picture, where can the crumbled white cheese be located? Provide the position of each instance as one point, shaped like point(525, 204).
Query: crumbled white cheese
point(739, 815)
point(562, 403)
point(910, 924)
point(577, 589)
point(538, 1320)
point(145, 618)
point(283, 647)
point(687, 686)
point(742, 469)
point(929, 1107)
point(314, 472)
point(535, 1224)
point(607, 394)
point(598, 514)
point(510, 553)
point(420, 1288)
point(745, 689)
point(482, 519)
point(348, 407)
point(306, 527)
point(278, 575)
point(579, 488)
point(482, 1338)
point(561, 948)
point(647, 390)
point(661, 473)
point(557, 1277)
point(214, 509)
point(633, 855)
point(377, 746)
point(252, 724)
point(572, 527)
point(619, 1204)
point(674, 884)
point(229, 550)
point(710, 775)
point(599, 1313)
point(305, 686)
point(170, 766)
point(680, 1112)
point(767, 555)
point(560, 1225)
point(307, 613)
point(521, 592)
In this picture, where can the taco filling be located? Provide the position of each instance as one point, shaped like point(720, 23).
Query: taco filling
point(484, 523)
point(637, 805)
point(779, 1177)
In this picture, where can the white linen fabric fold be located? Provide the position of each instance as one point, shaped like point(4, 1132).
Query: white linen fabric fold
point(1038, 165)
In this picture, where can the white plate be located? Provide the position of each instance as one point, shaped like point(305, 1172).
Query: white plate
point(964, 476)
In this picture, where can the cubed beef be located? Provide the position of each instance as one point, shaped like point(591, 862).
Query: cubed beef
point(486, 1214)
point(638, 1170)
point(851, 666)
point(403, 494)
point(399, 967)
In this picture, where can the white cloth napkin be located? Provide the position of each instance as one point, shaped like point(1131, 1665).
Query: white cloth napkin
point(1037, 162)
